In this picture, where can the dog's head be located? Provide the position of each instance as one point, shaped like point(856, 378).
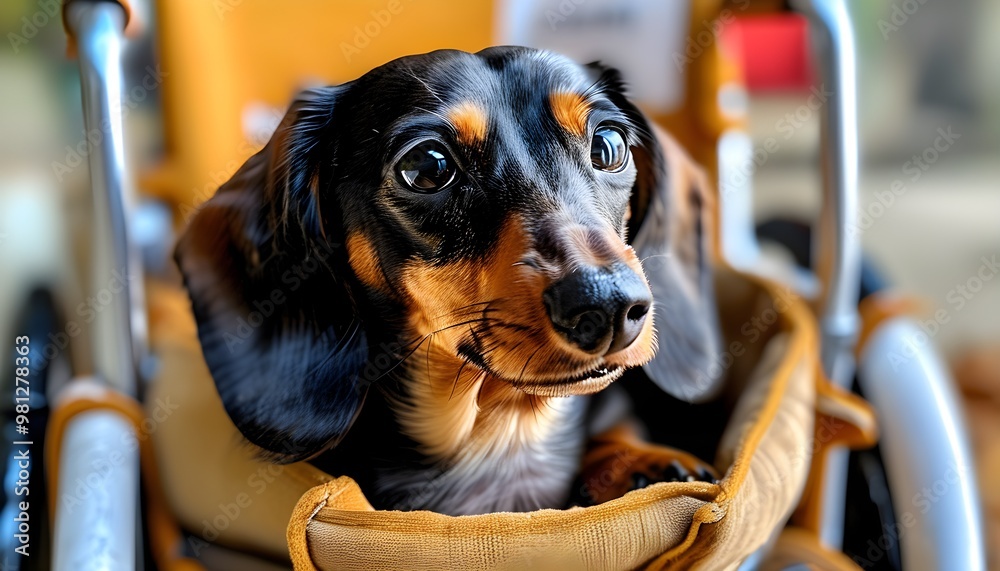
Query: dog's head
point(479, 202)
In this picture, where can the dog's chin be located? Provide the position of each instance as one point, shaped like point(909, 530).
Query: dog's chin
point(585, 383)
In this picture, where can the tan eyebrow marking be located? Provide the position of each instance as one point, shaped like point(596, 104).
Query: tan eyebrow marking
point(470, 122)
point(570, 110)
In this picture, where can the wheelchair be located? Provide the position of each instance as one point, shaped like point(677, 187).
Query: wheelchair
point(107, 472)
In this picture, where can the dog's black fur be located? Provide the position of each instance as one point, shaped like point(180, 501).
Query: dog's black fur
point(298, 321)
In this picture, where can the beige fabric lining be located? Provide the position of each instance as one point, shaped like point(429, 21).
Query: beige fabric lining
point(663, 526)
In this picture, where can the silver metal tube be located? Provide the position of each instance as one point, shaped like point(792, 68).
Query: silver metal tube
point(838, 253)
point(926, 451)
point(117, 295)
point(95, 521)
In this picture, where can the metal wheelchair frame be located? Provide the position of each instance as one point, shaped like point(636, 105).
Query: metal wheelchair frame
point(919, 413)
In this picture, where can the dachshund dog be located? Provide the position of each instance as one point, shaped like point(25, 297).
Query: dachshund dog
point(448, 238)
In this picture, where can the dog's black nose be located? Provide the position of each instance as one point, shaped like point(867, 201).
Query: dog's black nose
point(595, 308)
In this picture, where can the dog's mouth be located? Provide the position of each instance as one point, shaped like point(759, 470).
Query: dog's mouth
point(587, 382)
point(584, 383)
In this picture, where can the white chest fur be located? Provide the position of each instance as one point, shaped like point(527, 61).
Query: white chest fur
point(505, 455)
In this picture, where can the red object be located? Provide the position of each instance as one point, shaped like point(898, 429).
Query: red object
point(773, 50)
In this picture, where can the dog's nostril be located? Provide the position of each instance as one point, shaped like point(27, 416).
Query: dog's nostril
point(591, 325)
point(630, 325)
point(588, 328)
point(637, 312)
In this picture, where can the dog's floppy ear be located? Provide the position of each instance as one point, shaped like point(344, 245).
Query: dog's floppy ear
point(671, 230)
point(271, 291)
point(674, 235)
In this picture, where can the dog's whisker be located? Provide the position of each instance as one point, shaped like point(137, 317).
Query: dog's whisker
point(440, 116)
point(455, 386)
point(471, 308)
point(447, 327)
point(420, 342)
point(427, 361)
point(400, 362)
point(525, 367)
point(487, 351)
point(643, 261)
point(464, 307)
point(534, 407)
point(479, 379)
point(475, 336)
point(516, 345)
point(514, 326)
point(425, 84)
point(345, 341)
point(511, 351)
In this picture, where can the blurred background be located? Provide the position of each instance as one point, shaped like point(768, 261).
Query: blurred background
point(206, 82)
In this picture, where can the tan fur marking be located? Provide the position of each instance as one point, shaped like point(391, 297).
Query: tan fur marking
point(571, 111)
point(586, 246)
point(364, 261)
point(470, 122)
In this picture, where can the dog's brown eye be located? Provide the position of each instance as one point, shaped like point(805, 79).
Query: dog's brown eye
point(427, 167)
point(608, 150)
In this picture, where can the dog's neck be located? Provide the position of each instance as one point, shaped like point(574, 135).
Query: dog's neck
point(505, 449)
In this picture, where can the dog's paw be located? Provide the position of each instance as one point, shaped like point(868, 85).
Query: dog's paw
point(618, 462)
point(672, 466)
